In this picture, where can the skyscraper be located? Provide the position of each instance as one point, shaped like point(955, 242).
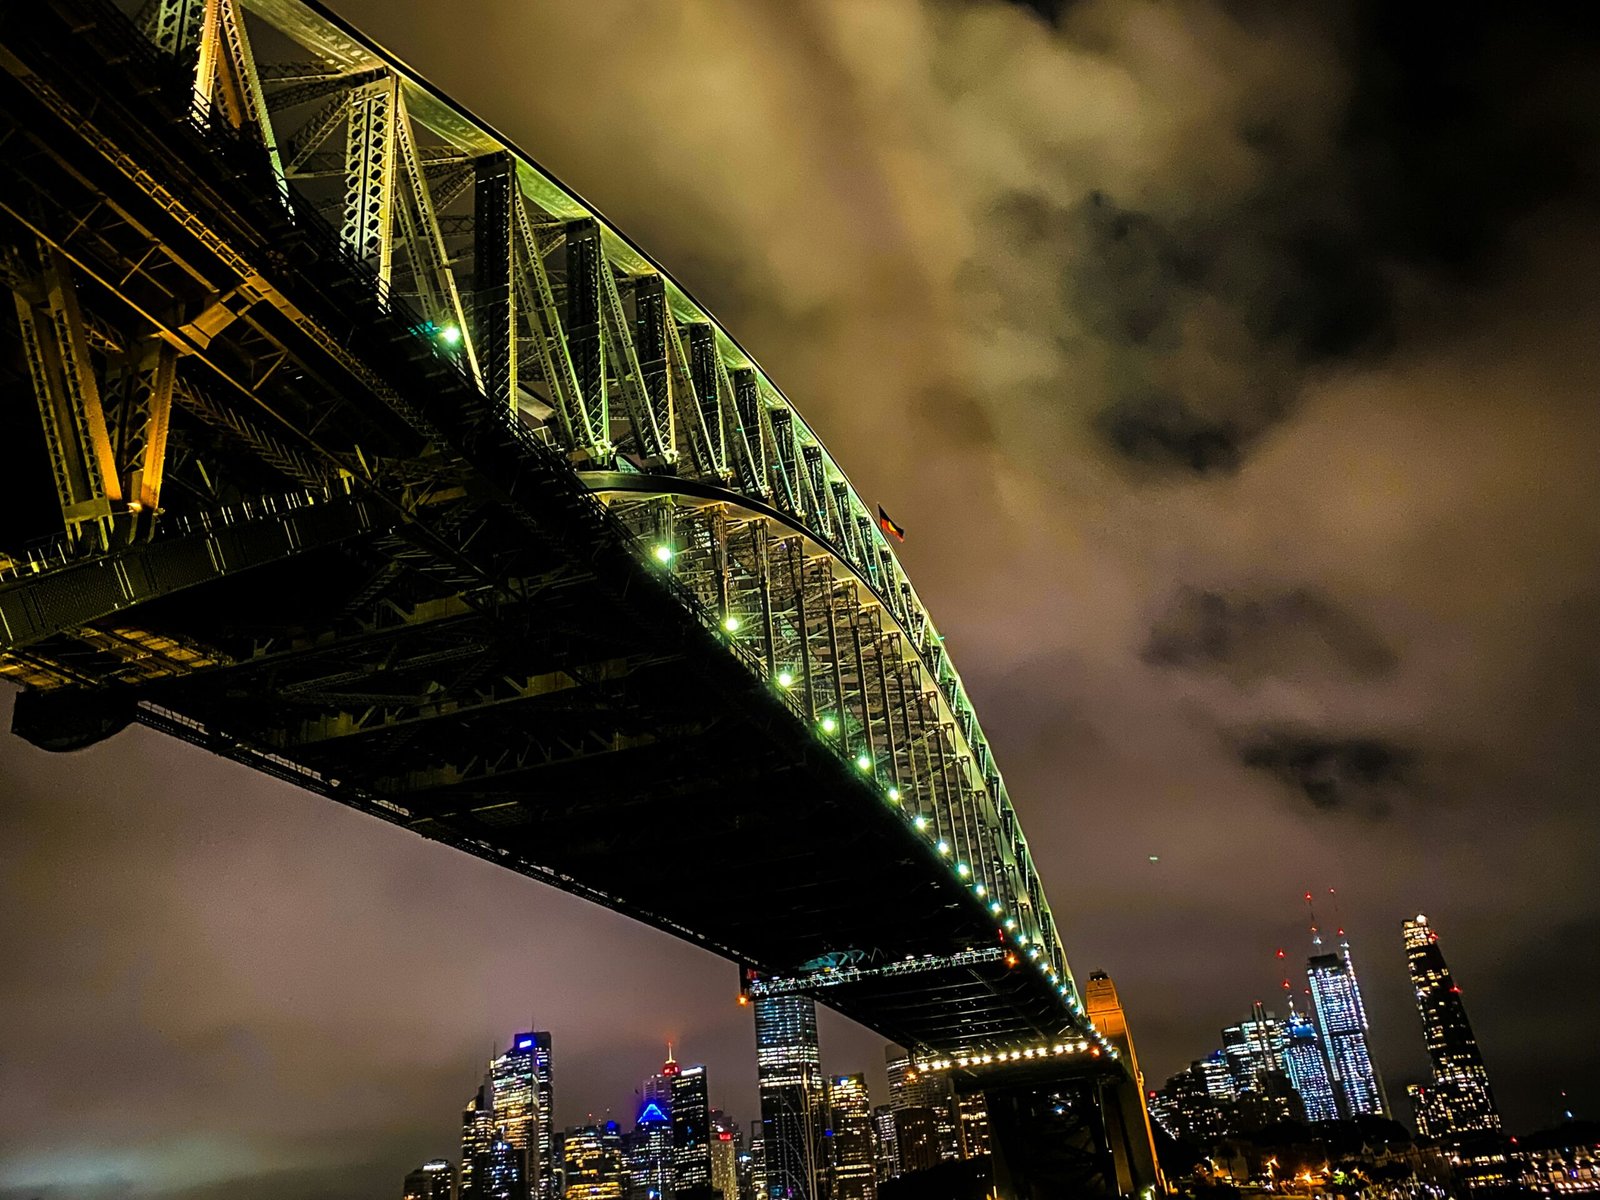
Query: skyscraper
point(477, 1139)
point(433, 1180)
point(888, 1142)
point(592, 1158)
point(853, 1175)
point(514, 1079)
point(724, 1164)
point(1254, 1048)
point(789, 1071)
point(910, 1088)
point(1342, 1018)
point(1308, 1071)
point(691, 1131)
point(650, 1156)
point(536, 1043)
point(1460, 1100)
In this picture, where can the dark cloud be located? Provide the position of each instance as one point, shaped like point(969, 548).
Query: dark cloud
point(1298, 633)
point(1352, 774)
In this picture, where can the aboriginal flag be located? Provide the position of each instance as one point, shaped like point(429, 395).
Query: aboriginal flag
point(886, 523)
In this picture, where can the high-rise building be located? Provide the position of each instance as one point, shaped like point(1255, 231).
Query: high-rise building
point(1342, 1019)
point(536, 1042)
point(851, 1167)
point(514, 1078)
point(724, 1164)
point(433, 1180)
point(650, 1150)
point(1253, 1048)
point(887, 1153)
point(1308, 1070)
point(1188, 1108)
point(1216, 1077)
point(933, 1091)
point(758, 1160)
point(1460, 1100)
point(972, 1115)
point(477, 1139)
point(593, 1164)
point(691, 1130)
point(498, 1174)
point(793, 1103)
point(916, 1139)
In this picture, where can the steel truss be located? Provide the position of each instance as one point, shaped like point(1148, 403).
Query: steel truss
point(585, 348)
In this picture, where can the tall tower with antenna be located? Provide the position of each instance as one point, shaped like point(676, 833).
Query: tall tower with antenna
point(1342, 1022)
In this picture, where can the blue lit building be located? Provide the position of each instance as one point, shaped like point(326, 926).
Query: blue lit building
point(650, 1152)
point(1342, 1019)
point(1308, 1071)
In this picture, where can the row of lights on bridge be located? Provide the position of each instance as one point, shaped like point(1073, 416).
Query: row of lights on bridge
point(829, 726)
point(1045, 1050)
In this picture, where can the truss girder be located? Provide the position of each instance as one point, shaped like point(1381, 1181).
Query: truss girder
point(41, 603)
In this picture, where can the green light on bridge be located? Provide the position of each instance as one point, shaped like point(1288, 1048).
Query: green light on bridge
point(863, 762)
point(894, 795)
point(963, 870)
point(731, 623)
point(829, 725)
point(943, 847)
point(920, 821)
point(450, 335)
point(785, 679)
point(663, 554)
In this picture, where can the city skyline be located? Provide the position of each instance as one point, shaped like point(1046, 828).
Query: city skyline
point(1241, 426)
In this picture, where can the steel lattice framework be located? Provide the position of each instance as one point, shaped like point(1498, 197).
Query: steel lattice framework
point(539, 536)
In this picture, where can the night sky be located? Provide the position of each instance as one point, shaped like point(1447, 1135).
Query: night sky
point(1234, 373)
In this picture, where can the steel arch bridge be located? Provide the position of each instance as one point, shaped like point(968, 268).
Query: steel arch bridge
point(353, 446)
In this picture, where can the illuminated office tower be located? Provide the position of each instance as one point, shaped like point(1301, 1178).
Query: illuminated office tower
point(499, 1173)
point(691, 1130)
point(534, 1046)
point(724, 1163)
point(514, 1078)
point(793, 1104)
point(758, 1160)
point(592, 1158)
point(851, 1169)
point(1308, 1070)
point(1336, 997)
point(433, 1180)
point(650, 1157)
point(477, 1138)
point(972, 1114)
point(1460, 1100)
point(933, 1091)
point(887, 1152)
point(1254, 1048)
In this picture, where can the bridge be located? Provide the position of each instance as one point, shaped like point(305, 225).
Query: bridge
point(347, 443)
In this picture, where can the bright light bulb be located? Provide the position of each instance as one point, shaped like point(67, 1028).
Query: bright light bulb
point(995, 908)
point(663, 554)
point(863, 763)
point(451, 334)
point(921, 821)
point(981, 890)
point(1011, 922)
point(894, 795)
point(730, 623)
point(944, 847)
point(829, 725)
point(785, 679)
point(963, 870)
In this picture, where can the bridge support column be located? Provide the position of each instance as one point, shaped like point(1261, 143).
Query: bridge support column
point(1068, 1138)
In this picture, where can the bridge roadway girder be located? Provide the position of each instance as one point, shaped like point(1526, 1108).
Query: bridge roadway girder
point(658, 700)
